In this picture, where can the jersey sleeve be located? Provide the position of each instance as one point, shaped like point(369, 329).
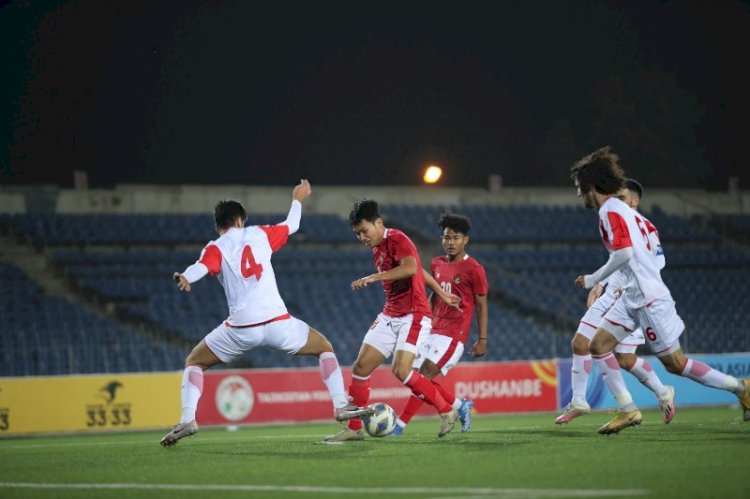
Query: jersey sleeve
point(479, 281)
point(211, 258)
point(402, 247)
point(619, 231)
point(277, 235)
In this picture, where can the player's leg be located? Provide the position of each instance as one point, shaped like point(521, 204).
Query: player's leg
point(676, 362)
point(330, 372)
point(412, 330)
point(663, 327)
point(377, 345)
point(616, 325)
point(438, 354)
point(191, 388)
point(643, 372)
point(442, 354)
point(580, 370)
point(368, 359)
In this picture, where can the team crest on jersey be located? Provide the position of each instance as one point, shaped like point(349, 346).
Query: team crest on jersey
point(457, 279)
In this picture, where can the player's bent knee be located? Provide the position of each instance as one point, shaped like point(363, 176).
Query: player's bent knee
point(626, 361)
point(672, 366)
point(401, 372)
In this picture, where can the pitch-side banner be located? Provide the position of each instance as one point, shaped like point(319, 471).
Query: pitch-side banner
point(283, 395)
point(687, 392)
point(89, 403)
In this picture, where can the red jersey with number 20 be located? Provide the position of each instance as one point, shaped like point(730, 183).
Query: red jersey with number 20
point(404, 296)
point(241, 260)
point(464, 279)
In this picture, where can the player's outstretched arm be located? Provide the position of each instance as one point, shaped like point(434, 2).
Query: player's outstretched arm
point(407, 267)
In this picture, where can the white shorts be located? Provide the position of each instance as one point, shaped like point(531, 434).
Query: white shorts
point(441, 350)
point(388, 334)
point(658, 320)
point(592, 319)
point(228, 343)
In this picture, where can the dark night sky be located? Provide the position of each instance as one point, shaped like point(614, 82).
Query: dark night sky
point(370, 92)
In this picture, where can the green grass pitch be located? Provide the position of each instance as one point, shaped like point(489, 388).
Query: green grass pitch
point(700, 454)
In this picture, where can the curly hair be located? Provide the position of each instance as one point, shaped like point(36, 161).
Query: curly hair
point(456, 222)
point(600, 170)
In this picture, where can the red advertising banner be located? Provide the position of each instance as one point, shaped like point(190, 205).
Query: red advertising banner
point(287, 395)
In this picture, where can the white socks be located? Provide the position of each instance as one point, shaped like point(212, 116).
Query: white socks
point(579, 377)
point(191, 389)
point(612, 375)
point(330, 373)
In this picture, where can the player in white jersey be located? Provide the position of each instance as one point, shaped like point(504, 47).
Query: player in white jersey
point(599, 303)
point(241, 260)
point(645, 301)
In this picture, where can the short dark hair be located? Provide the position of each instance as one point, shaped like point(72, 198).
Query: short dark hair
point(227, 211)
point(456, 222)
point(364, 209)
point(599, 170)
point(635, 186)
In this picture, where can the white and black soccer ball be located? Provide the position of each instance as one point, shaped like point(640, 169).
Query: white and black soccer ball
point(382, 422)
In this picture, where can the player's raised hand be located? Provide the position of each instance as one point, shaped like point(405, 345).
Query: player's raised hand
point(302, 190)
point(182, 283)
point(580, 281)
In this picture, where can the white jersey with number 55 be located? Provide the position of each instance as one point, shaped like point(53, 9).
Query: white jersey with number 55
point(622, 227)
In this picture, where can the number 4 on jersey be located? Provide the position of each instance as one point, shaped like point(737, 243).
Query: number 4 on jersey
point(248, 267)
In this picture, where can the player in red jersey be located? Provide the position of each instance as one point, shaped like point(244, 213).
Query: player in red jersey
point(241, 260)
point(402, 325)
point(459, 274)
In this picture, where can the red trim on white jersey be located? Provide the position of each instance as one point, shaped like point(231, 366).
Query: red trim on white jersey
point(620, 233)
point(211, 258)
point(279, 318)
point(277, 235)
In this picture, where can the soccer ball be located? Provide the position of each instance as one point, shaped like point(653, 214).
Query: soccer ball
point(382, 422)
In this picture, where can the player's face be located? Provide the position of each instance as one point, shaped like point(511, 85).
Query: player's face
point(587, 197)
point(629, 197)
point(369, 233)
point(454, 243)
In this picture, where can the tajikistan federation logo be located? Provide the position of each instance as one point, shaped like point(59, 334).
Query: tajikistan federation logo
point(234, 398)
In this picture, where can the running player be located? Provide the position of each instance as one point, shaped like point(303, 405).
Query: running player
point(459, 274)
point(241, 260)
point(645, 302)
point(599, 303)
point(403, 324)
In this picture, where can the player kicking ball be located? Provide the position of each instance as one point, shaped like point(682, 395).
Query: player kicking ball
point(403, 324)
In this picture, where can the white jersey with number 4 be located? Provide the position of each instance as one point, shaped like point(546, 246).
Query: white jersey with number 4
point(622, 227)
point(241, 260)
